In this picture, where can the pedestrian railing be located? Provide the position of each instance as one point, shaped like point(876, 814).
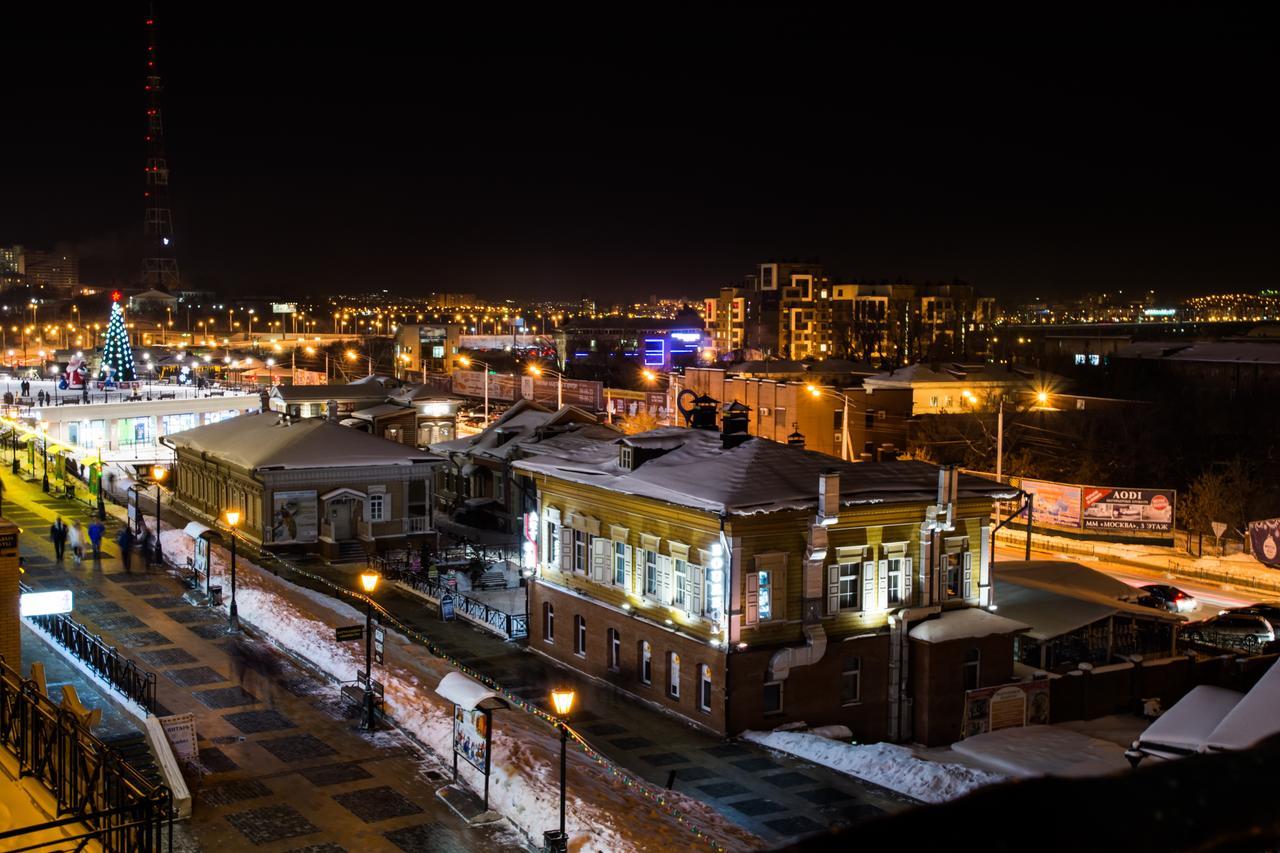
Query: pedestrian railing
point(104, 661)
point(120, 809)
point(513, 626)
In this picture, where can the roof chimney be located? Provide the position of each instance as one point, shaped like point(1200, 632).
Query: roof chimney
point(333, 410)
point(829, 497)
point(734, 423)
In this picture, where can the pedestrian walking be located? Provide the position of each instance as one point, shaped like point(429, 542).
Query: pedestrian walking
point(58, 535)
point(144, 545)
point(125, 540)
point(95, 538)
point(75, 538)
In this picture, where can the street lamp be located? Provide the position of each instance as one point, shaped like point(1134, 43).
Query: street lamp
point(673, 391)
point(233, 518)
point(369, 581)
point(844, 415)
point(562, 700)
point(536, 370)
point(467, 361)
point(158, 473)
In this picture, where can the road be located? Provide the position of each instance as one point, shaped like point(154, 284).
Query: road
point(1210, 598)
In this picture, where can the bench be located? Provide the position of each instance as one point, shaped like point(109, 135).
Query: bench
point(353, 692)
point(217, 393)
point(170, 396)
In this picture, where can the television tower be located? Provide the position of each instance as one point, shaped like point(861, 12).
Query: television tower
point(160, 262)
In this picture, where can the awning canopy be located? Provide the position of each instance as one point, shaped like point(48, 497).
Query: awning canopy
point(196, 530)
point(469, 694)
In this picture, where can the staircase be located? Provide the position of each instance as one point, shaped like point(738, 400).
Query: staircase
point(133, 748)
point(351, 551)
point(493, 578)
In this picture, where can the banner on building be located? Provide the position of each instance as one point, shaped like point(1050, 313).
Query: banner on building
point(294, 517)
point(989, 709)
point(623, 404)
point(1145, 510)
point(1264, 541)
point(471, 736)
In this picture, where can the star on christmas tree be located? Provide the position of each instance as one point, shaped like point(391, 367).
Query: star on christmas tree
point(117, 355)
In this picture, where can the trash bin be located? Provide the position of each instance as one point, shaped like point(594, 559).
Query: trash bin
point(215, 595)
point(555, 841)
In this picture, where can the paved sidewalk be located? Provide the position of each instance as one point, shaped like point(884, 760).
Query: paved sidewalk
point(779, 798)
point(281, 765)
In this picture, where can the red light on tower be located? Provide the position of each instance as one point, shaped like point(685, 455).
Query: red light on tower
point(116, 296)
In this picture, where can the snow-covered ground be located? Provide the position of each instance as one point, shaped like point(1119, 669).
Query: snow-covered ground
point(894, 767)
point(606, 810)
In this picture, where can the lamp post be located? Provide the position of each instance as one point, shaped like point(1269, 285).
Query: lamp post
point(158, 473)
point(233, 518)
point(102, 484)
point(673, 391)
point(369, 581)
point(44, 453)
point(814, 390)
point(13, 434)
point(467, 361)
point(536, 370)
point(562, 700)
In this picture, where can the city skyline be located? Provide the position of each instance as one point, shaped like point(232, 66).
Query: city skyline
point(319, 158)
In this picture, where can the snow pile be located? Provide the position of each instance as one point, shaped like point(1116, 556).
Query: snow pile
point(1043, 751)
point(524, 777)
point(894, 767)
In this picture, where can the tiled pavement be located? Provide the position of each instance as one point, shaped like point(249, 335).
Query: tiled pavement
point(777, 797)
point(281, 766)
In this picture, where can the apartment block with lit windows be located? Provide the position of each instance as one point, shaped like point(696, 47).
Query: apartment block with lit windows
point(741, 583)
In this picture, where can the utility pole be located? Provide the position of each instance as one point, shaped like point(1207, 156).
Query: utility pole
point(1000, 442)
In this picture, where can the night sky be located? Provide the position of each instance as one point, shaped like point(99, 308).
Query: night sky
point(668, 155)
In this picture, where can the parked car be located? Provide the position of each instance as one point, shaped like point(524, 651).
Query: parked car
point(1167, 597)
point(1267, 610)
point(1234, 630)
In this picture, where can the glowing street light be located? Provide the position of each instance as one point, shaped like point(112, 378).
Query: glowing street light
point(467, 361)
point(233, 518)
point(815, 391)
point(536, 370)
point(562, 700)
point(158, 473)
point(368, 582)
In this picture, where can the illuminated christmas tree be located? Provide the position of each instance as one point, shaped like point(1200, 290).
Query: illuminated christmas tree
point(117, 355)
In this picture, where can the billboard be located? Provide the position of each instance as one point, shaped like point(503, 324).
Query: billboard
point(471, 737)
point(1147, 510)
point(1264, 541)
point(1056, 504)
point(990, 709)
point(294, 517)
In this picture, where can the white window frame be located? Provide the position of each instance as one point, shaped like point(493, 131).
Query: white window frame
point(680, 580)
point(850, 573)
point(650, 572)
point(620, 563)
point(377, 507)
point(580, 636)
point(548, 622)
point(581, 549)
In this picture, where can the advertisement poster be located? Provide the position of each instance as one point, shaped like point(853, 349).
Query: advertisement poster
point(1056, 504)
point(471, 737)
point(989, 709)
point(1149, 510)
point(294, 517)
point(1264, 539)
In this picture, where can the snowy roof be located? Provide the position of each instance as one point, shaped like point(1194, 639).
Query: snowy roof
point(308, 393)
point(1188, 724)
point(468, 694)
point(758, 475)
point(522, 428)
point(380, 410)
point(1064, 576)
point(261, 441)
point(1049, 614)
point(1254, 717)
point(921, 373)
point(969, 623)
point(1249, 352)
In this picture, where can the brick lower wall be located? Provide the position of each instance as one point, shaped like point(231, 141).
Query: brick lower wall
point(10, 626)
point(631, 630)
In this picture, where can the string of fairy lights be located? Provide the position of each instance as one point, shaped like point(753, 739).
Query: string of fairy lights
point(658, 797)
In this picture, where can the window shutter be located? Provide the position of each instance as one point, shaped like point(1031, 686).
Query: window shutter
point(968, 570)
point(599, 558)
point(631, 569)
point(868, 584)
point(906, 582)
point(694, 595)
point(665, 593)
point(752, 609)
point(882, 601)
point(778, 604)
point(833, 589)
point(566, 549)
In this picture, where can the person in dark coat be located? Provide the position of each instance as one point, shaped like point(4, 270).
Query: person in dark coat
point(96, 529)
point(125, 540)
point(58, 535)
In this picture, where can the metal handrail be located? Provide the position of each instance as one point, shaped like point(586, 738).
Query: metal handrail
point(89, 780)
point(514, 626)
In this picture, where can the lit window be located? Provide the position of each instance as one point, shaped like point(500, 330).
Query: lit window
point(673, 675)
point(895, 580)
point(704, 687)
point(765, 596)
point(681, 580)
point(646, 662)
point(651, 572)
point(953, 562)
